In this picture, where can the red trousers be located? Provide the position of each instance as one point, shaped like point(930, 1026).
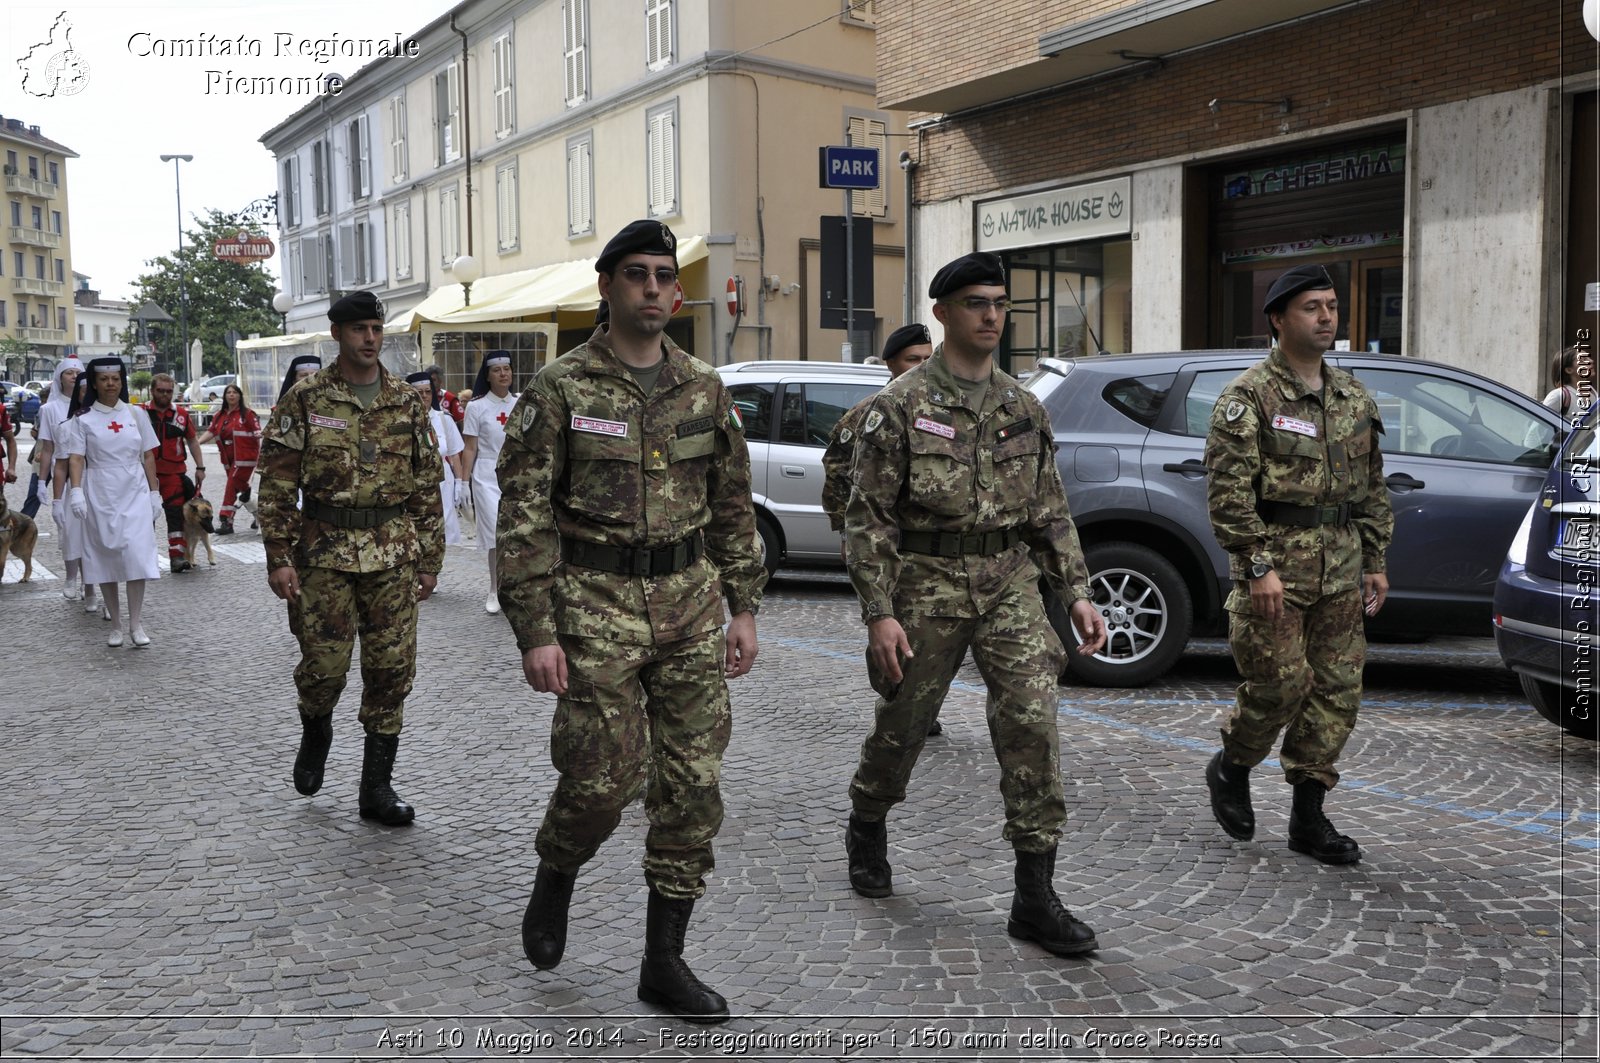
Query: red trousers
point(239, 475)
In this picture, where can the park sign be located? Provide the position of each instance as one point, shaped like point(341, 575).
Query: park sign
point(244, 247)
point(846, 167)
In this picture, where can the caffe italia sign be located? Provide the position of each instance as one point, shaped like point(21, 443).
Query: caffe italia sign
point(1060, 216)
point(243, 247)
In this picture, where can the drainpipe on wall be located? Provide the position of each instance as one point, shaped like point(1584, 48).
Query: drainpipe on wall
point(466, 123)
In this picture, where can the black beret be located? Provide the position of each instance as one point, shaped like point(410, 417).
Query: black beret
point(1292, 282)
point(643, 237)
point(357, 306)
point(903, 337)
point(980, 267)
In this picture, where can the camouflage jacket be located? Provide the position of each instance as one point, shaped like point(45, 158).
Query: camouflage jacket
point(1273, 439)
point(588, 456)
point(320, 442)
point(926, 461)
point(836, 461)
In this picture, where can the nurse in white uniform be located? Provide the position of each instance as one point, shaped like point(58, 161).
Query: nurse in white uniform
point(53, 484)
point(448, 437)
point(111, 452)
point(483, 431)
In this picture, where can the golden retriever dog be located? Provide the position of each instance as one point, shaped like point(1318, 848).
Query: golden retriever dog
point(197, 528)
point(18, 535)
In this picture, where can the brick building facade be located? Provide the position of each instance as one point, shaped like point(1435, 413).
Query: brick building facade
point(1440, 158)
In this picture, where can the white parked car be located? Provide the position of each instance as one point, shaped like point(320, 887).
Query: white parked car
point(209, 389)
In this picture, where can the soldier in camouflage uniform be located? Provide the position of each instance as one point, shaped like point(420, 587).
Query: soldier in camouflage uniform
point(362, 549)
point(906, 348)
point(625, 520)
point(1298, 501)
point(955, 493)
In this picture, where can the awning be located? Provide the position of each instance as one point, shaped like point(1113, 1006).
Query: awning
point(525, 293)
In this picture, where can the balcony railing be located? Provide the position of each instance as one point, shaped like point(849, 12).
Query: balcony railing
point(30, 186)
point(42, 335)
point(23, 234)
point(35, 286)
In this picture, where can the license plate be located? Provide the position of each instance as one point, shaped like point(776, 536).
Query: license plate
point(1576, 535)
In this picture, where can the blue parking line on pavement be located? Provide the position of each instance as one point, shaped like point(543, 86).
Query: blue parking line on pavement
point(1524, 822)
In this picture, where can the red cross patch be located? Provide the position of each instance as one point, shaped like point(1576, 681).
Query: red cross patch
point(115, 427)
point(501, 417)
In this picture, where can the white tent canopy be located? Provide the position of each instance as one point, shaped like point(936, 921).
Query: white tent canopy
point(509, 296)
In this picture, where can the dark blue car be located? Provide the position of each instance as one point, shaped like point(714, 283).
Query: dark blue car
point(25, 406)
point(1546, 609)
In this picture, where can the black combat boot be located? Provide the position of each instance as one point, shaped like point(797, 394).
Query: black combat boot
point(316, 736)
point(378, 800)
point(1230, 797)
point(1310, 832)
point(1037, 914)
point(867, 846)
point(544, 924)
point(935, 728)
point(225, 526)
point(664, 979)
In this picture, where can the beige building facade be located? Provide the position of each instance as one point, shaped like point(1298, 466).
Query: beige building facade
point(36, 306)
point(527, 133)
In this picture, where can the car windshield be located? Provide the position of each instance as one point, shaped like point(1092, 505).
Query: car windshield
point(1582, 447)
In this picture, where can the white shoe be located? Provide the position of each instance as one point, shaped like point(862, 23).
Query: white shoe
point(491, 604)
point(140, 639)
point(115, 638)
point(72, 591)
point(91, 602)
point(105, 612)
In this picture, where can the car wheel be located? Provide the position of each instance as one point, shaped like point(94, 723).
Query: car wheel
point(1148, 613)
point(1559, 705)
point(767, 539)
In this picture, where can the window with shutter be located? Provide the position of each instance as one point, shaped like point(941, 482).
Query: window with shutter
point(360, 159)
point(400, 240)
point(311, 266)
point(363, 249)
point(580, 185)
point(397, 138)
point(861, 12)
point(575, 49)
point(870, 133)
point(661, 159)
point(447, 114)
point(658, 33)
point(319, 178)
point(505, 195)
point(449, 223)
point(504, 116)
point(347, 256)
point(290, 187)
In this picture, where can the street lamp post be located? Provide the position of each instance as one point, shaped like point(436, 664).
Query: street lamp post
point(183, 289)
point(282, 303)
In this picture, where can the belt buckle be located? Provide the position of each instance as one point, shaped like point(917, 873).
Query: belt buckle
point(639, 562)
point(1328, 515)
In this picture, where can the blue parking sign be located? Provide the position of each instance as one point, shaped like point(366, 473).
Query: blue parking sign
point(843, 167)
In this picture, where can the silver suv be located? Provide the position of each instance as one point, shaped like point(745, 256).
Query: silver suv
point(1463, 458)
point(789, 408)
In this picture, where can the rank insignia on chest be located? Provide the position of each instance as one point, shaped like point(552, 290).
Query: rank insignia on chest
point(1233, 411)
point(938, 428)
point(874, 419)
point(369, 451)
point(1015, 428)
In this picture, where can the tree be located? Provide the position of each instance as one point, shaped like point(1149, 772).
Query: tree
point(221, 295)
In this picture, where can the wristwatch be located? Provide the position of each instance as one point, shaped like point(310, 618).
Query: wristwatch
point(1260, 566)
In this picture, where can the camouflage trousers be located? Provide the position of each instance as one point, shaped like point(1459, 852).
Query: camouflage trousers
point(640, 718)
point(1303, 673)
point(1020, 658)
point(333, 608)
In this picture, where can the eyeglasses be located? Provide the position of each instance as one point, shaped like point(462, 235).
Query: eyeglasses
point(978, 304)
point(638, 275)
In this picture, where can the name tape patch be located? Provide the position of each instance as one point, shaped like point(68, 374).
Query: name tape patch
point(1294, 424)
point(698, 426)
point(599, 426)
point(327, 422)
point(928, 424)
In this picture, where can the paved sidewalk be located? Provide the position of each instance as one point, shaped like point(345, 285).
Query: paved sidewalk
point(165, 893)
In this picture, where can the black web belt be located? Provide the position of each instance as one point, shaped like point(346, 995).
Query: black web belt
point(1304, 516)
point(634, 560)
point(342, 517)
point(955, 544)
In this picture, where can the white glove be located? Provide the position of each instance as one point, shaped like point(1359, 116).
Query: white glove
point(42, 492)
point(78, 504)
point(463, 496)
point(58, 512)
point(155, 505)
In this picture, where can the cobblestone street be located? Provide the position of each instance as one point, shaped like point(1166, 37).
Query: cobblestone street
point(165, 892)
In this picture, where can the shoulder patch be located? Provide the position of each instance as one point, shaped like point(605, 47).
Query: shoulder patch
point(846, 435)
point(530, 414)
point(285, 423)
point(735, 418)
point(1234, 411)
